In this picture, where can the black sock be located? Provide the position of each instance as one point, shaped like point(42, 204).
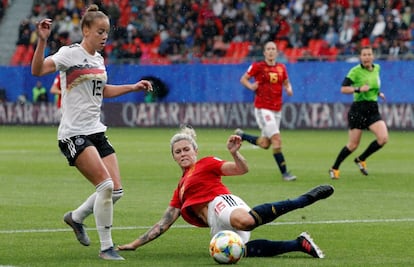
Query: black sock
point(268, 212)
point(373, 147)
point(280, 160)
point(343, 154)
point(268, 248)
point(250, 138)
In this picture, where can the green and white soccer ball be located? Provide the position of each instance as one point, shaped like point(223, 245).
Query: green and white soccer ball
point(227, 247)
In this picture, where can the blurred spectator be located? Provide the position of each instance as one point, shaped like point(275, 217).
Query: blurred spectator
point(346, 34)
point(113, 13)
point(39, 93)
point(331, 37)
point(219, 47)
point(379, 28)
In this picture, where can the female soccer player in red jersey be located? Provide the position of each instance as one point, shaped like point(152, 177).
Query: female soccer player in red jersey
point(204, 201)
point(270, 77)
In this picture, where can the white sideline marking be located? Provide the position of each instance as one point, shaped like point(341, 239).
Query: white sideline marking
point(189, 226)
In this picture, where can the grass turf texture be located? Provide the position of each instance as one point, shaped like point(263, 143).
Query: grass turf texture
point(367, 222)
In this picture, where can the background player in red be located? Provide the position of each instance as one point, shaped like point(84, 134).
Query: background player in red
point(204, 201)
point(270, 77)
point(57, 91)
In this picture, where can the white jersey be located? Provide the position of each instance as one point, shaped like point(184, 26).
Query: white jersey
point(83, 78)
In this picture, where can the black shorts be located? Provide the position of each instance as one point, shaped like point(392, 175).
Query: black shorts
point(73, 146)
point(363, 114)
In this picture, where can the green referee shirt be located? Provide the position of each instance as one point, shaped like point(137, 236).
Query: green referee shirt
point(361, 76)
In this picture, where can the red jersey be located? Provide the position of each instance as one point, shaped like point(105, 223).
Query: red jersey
point(199, 184)
point(270, 80)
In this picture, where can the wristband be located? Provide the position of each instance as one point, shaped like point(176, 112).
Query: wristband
point(357, 90)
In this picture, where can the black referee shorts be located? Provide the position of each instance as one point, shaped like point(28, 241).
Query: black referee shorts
point(362, 114)
point(73, 146)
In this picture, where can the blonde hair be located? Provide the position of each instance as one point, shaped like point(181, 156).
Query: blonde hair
point(186, 133)
point(92, 13)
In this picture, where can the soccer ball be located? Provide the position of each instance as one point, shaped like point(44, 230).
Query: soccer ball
point(226, 247)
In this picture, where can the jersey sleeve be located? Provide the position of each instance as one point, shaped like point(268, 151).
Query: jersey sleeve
point(62, 58)
point(175, 200)
point(352, 75)
point(251, 70)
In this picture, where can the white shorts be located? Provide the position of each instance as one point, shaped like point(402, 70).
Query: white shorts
point(219, 211)
point(268, 121)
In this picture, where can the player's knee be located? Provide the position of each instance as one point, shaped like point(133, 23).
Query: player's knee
point(382, 140)
point(242, 220)
point(263, 142)
point(105, 188)
point(352, 146)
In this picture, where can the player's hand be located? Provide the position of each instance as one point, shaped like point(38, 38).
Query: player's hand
point(364, 88)
point(143, 85)
point(127, 247)
point(44, 28)
point(382, 95)
point(254, 86)
point(234, 143)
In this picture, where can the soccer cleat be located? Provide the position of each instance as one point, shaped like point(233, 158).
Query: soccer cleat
point(308, 246)
point(80, 232)
point(334, 173)
point(362, 165)
point(110, 254)
point(319, 192)
point(238, 132)
point(288, 177)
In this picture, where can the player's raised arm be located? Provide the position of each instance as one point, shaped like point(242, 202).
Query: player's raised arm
point(239, 165)
point(40, 66)
point(168, 219)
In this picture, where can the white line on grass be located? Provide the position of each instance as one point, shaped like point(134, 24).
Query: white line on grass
point(188, 226)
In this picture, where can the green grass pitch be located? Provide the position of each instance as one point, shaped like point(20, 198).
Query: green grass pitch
point(367, 222)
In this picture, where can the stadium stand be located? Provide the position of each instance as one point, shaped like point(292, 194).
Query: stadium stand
point(170, 32)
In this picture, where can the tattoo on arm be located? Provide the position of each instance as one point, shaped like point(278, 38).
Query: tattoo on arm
point(169, 217)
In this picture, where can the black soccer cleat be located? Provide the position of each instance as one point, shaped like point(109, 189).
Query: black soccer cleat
point(319, 192)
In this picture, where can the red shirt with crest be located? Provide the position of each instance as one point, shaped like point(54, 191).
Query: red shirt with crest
point(270, 80)
point(199, 184)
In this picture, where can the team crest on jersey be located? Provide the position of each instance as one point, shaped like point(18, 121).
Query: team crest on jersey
point(79, 141)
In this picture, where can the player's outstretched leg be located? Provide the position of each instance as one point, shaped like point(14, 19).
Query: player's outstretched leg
point(268, 212)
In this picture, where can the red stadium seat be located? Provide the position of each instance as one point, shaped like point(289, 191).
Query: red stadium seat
point(28, 55)
point(281, 44)
point(18, 55)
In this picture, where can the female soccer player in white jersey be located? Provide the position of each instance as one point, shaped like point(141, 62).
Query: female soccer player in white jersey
point(81, 134)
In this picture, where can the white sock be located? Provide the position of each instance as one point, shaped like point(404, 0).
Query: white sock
point(103, 211)
point(86, 208)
